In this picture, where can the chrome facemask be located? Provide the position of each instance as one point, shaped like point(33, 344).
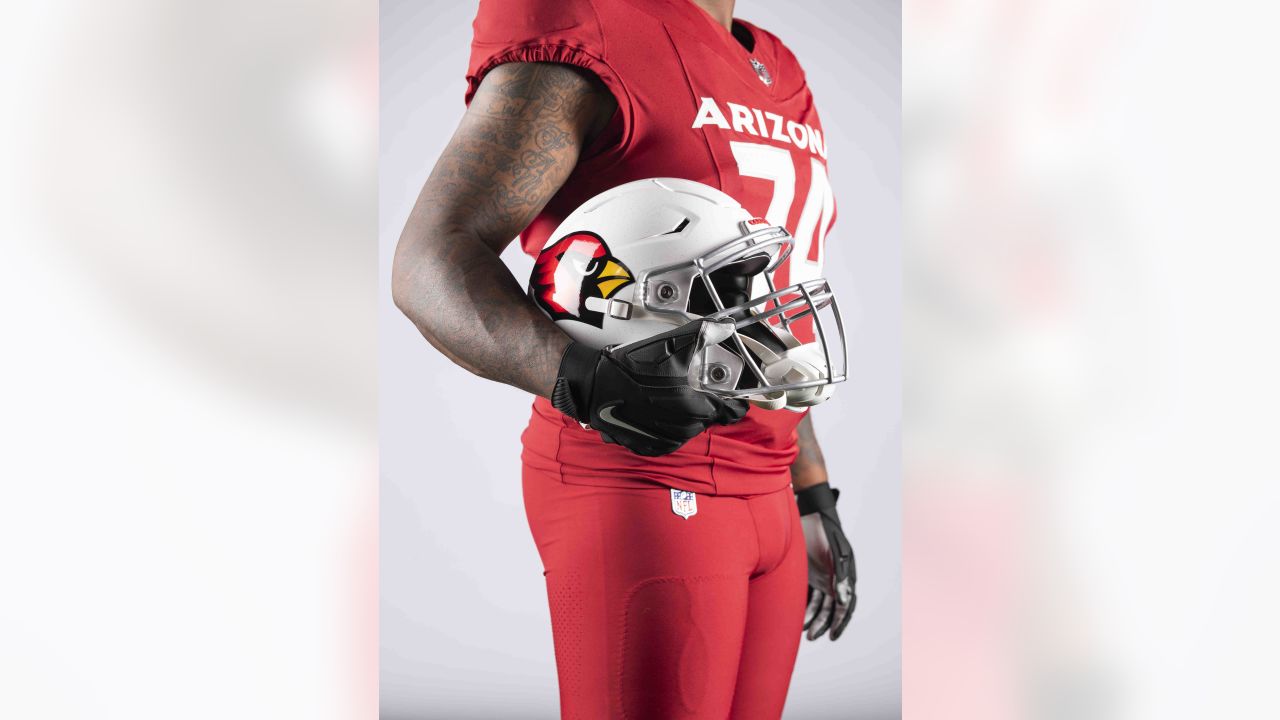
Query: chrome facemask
point(750, 350)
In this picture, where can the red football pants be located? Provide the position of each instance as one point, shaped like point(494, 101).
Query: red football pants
point(660, 617)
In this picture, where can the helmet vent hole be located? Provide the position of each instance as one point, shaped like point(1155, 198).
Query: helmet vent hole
point(683, 224)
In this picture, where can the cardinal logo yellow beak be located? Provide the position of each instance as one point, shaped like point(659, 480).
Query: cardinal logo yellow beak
point(611, 277)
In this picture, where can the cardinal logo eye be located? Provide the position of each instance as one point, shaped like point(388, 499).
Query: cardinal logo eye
point(570, 270)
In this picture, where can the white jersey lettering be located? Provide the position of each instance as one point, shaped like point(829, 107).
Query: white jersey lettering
point(759, 123)
point(742, 121)
point(709, 112)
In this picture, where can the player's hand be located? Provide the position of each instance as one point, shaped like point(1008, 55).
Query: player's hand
point(638, 395)
point(832, 576)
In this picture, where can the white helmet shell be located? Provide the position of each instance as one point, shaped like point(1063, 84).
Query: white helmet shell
point(639, 260)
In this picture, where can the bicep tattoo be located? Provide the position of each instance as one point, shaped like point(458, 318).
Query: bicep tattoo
point(515, 147)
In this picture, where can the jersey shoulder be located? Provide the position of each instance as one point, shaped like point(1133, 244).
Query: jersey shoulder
point(548, 31)
point(543, 22)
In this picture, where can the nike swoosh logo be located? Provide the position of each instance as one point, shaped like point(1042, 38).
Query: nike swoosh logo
point(606, 414)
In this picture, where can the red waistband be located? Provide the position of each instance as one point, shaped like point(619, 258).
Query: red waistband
point(721, 461)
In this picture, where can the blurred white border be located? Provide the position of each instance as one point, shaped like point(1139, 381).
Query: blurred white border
point(188, 487)
point(1091, 360)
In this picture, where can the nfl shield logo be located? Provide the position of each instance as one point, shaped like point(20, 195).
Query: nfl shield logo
point(684, 503)
point(762, 72)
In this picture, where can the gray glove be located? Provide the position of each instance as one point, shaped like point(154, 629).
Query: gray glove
point(832, 575)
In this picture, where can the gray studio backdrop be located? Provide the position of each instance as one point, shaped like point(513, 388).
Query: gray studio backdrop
point(465, 631)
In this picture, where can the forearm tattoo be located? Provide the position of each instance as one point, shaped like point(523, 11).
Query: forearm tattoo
point(809, 468)
point(516, 145)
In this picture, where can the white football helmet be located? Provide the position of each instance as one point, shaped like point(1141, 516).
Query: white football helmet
point(651, 255)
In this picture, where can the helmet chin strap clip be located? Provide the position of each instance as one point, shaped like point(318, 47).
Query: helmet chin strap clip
point(619, 309)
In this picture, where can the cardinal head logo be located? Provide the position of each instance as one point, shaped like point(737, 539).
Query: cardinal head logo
point(574, 268)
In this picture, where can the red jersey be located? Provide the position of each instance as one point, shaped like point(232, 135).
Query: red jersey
point(695, 101)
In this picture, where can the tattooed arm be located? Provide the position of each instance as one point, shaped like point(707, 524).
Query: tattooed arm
point(518, 141)
point(809, 468)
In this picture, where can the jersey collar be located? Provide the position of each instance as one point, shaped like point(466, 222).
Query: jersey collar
point(686, 17)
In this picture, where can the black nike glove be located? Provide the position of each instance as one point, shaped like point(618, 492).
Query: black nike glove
point(638, 395)
point(832, 576)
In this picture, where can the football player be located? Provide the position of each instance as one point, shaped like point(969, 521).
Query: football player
point(677, 556)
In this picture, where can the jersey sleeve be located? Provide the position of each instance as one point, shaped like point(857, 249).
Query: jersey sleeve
point(552, 31)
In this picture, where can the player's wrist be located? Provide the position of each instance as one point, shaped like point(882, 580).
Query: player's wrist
point(807, 476)
point(571, 394)
point(816, 498)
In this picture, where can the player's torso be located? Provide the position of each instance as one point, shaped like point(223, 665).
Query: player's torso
point(701, 106)
point(704, 107)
